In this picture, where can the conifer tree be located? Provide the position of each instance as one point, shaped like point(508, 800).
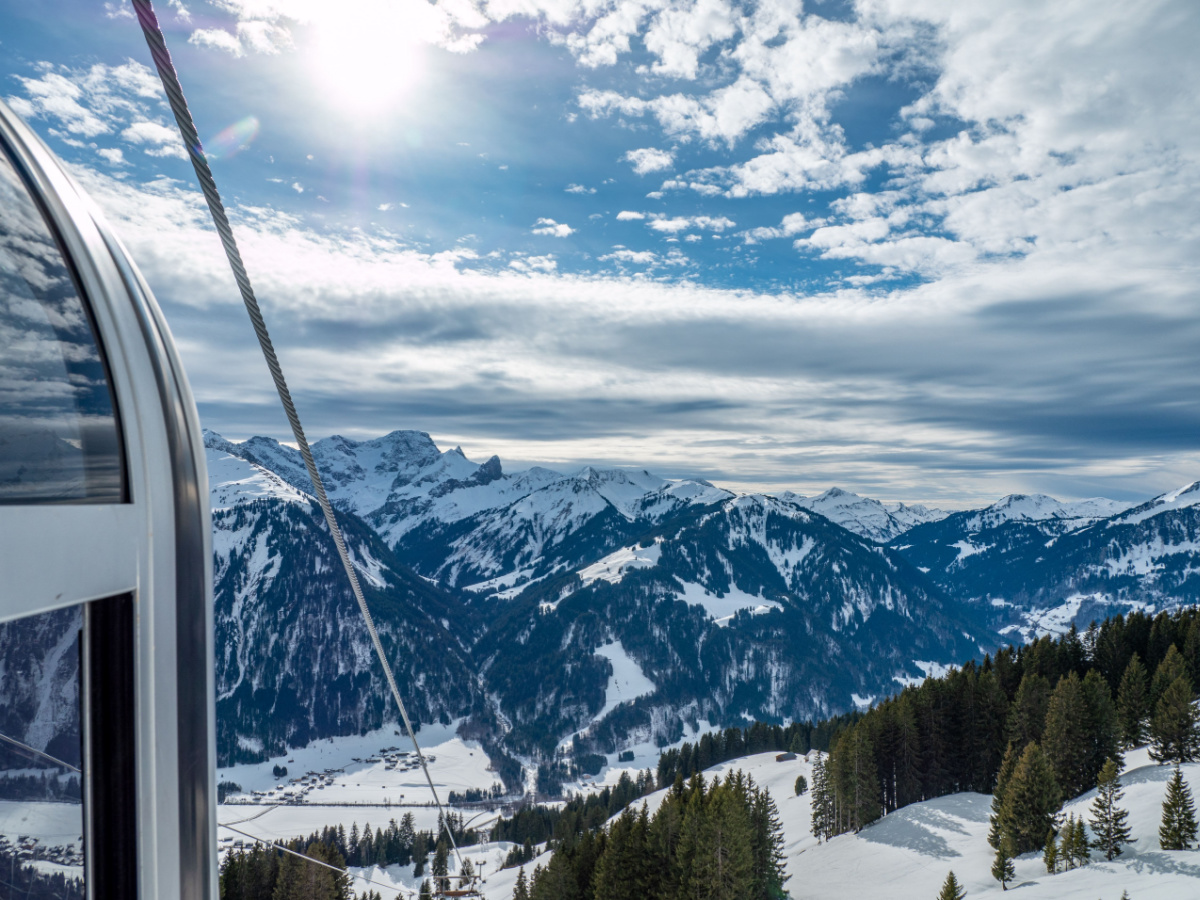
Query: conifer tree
point(1102, 725)
point(521, 890)
point(1050, 854)
point(426, 892)
point(822, 801)
point(855, 779)
point(1031, 800)
point(1178, 829)
point(1074, 848)
point(441, 864)
point(801, 785)
point(1007, 765)
point(1133, 703)
point(1065, 739)
point(1110, 823)
point(1002, 869)
point(1027, 715)
point(951, 889)
point(724, 867)
point(766, 846)
point(1172, 667)
point(1174, 736)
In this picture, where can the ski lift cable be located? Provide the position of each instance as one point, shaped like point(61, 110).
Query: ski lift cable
point(319, 862)
point(39, 753)
point(208, 185)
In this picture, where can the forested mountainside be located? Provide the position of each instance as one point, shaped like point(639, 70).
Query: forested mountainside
point(610, 605)
point(1055, 563)
point(751, 607)
point(294, 660)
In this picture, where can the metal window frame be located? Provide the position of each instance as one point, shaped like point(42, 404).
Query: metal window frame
point(155, 548)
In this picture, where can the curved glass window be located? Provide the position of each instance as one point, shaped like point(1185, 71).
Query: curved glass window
point(58, 430)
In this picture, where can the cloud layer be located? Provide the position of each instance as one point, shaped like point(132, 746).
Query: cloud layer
point(988, 277)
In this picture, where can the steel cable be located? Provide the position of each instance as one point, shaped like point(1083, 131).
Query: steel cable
point(208, 185)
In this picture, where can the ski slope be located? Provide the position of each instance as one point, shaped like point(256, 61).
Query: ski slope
point(906, 855)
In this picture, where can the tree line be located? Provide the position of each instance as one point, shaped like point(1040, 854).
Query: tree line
point(1033, 725)
point(761, 737)
point(718, 841)
point(268, 873)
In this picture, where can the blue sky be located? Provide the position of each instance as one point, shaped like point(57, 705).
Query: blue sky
point(920, 250)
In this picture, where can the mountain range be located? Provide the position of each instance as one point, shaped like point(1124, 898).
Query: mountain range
point(559, 615)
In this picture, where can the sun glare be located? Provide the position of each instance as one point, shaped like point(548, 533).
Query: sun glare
point(368, 63)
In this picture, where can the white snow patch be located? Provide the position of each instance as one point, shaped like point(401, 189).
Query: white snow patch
point(627, 682)
point(614, 566)
point(722, 609)
point(966, 548)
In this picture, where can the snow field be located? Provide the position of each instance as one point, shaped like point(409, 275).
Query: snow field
point(454, 764)
point(906, 855)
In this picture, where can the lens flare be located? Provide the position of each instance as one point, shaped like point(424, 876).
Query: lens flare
point(232, 140)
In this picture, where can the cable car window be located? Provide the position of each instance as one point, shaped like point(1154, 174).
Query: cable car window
point(41, 806)
point(58, 430)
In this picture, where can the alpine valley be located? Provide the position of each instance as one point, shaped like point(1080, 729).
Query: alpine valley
point(556, 616)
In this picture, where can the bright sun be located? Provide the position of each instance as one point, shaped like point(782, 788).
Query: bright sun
point(368, 60)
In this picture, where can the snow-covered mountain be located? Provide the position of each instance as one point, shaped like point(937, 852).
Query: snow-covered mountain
point(866, 517)
point(473, 525)
point(751, 607)
point(1043, 564)
point(294, 661)
point(612, 602)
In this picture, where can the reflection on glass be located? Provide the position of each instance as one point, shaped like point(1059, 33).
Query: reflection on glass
point(58, 433)
point(41, 809)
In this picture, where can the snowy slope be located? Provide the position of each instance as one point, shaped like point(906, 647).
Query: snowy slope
point(465, 523)
point(1041, 565)
point(907, 854)
point(753, 607)
point(865, 517)
point(1041, 508)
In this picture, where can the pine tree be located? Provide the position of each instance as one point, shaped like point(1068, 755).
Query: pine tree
point(951, 889)
point(770, 866)
point(822, 801)
point(1102, 725)
point(1050, 854)
point(801, 785)
point(1007, 765)
point(426, 892)
point(1027, 715)
point(1031, 800)
point(1174, 736)
point(1173, 666)
point(1002, 869)
point(1110, 823)
point(1178, 829)
point(1074, 848)
point(1133, 704)
point(1065, 739)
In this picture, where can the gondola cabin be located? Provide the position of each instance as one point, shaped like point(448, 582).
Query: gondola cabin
point(106, 689)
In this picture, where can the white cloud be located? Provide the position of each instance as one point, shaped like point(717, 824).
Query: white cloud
point(649, 159)
point(112, 155)
point(552, 229)
point(628, 215)
point(216, 39)
point(680, 33)
point(534, 263)
point(956, 388)
point(579, 189)
point(791, 225)
point(676, 224)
